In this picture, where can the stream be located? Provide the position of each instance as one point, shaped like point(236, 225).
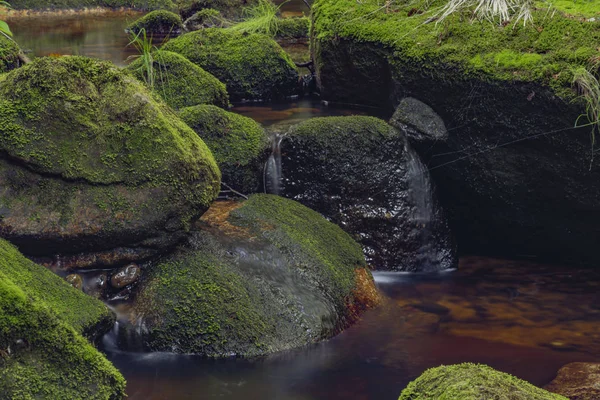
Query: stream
point(517, 317)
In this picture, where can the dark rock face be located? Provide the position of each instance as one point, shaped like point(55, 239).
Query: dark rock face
point(577, 381)
point(256, 277)
point(361, 173)
point(93, 169)
point(419, 121)
point(513, 174)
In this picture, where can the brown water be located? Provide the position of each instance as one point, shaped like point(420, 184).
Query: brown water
point(521, 318)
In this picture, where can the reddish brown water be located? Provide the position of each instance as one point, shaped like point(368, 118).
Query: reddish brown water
point(521, 318)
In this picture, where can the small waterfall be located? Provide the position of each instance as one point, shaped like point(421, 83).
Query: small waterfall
point(272, 174)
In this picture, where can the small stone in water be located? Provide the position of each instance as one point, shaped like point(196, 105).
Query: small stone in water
point(75, 280)
point(125, 276)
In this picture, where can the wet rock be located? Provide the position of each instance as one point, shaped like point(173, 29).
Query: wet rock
point(258, 276)
point(419, 121)
point(362, 174)
point(74, 280)
point(92, 162)
point(207, 18)
point(577, 381)
point(96, 284)
point(230, 9)
point(253, 66)
point(125, 276)
point(161, 22)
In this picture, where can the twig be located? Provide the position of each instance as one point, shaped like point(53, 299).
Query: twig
point(234, 191)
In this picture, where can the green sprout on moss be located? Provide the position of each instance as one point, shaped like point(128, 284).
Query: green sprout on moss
point(262, 18)
point(589, 90)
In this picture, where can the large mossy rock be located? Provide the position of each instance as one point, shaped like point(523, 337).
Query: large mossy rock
point(181, 83)
point(253, 66)
point(362, 174)
point(231, 9)
point(472, 382)
point(161, 22)
point(9, 54)
point(259, 276)
point(238, 144)
point(513, 174)
point(43, 325)
point(92, 162)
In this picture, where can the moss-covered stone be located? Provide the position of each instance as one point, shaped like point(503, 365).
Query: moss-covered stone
point(42, 351)
point(231, 9)
point(182, 83)
point(260, 276)
point(206, 18)
point(9, 54)
point(144, 5)
point(160, 22)
point(472, 382)
point(253, 66)
point(92, 161)
point(238, 143)
point(293, 28)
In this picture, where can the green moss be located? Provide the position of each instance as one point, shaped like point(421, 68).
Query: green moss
point(293, 28)
point(228, 8)
point(259, 277)
point(207, 18)
point(472, 382)
point(253, 66)
point(9, 54)
point(457, 49)
point(83, 119)
point(42, 351)
point(181, 83)
point(237, 142)
point(585, 8)
point(145, 5)
point(159, 21)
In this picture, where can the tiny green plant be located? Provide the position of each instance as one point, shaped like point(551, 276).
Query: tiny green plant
point(262, 18)
point(4, 28)
point(589, 89)
point(145, 48)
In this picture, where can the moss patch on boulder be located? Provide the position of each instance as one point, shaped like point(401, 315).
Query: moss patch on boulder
point(43, 353)
point(94, 161)
point(231, 9)
point(293, 28)
point(9, 54)
point(161, 22)
point(238, 143)
point(206, 18)
point(253, 66)
point(182, 83)
point(260, 276)
point(472, 382)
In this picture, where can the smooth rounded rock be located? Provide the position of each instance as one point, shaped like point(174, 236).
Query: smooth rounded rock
point(125, 276)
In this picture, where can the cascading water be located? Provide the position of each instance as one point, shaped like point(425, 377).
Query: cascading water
point(272, 174)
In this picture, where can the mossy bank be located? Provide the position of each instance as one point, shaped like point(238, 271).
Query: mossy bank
point(260, 276)
point(92, 161)
point(44, 323)
point(515, 175)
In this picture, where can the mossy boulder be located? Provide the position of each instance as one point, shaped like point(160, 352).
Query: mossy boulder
point(92, 162)
point(9, 54)
point(472, 382)
point(253, 66)
point(515, 176)
point(363, 175)
point(44, 323)
point(231, 9)
point(206, 18)
point(181, 83)
point(258, 276)
point(161, 22)
point(293, 28)
point(143, 5)
point(238, 144)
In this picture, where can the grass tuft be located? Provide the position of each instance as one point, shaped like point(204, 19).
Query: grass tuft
point(262, 18)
